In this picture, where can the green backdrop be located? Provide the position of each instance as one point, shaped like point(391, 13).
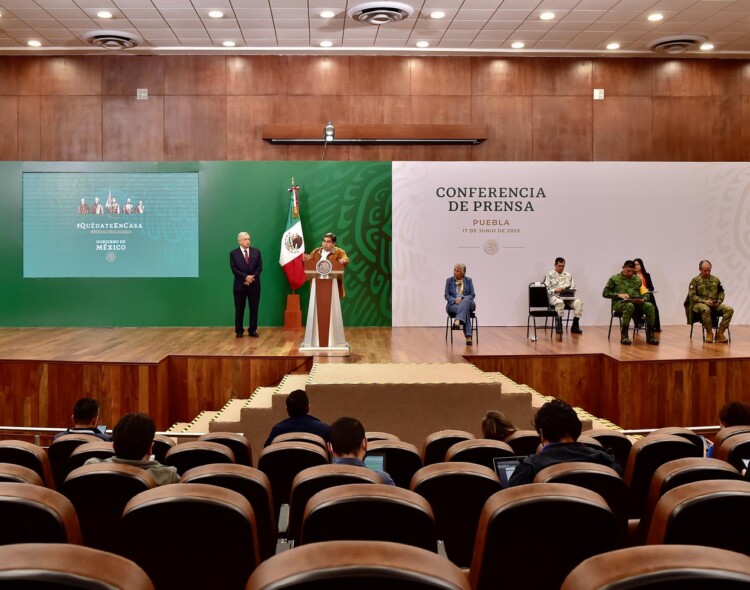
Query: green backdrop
point(352, 199)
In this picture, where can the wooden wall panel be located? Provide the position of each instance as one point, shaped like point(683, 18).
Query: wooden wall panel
point(385, 76)
point(317, 109)
point(123, 76)
point(71, 76)
point(317, 75)
point(29, 128)
point(257, 75)
point(246, 116)
point(451, 110)
point(440, 76)
point(562, 128)
point(20, 76)
point(9, 127)
point(744, 67)
point(71, 128)
point(394, 110)
point(729, 141)
point(622, 128)
point(502, 77)
point(623, 77)
point(508, 127)
point(562, 77)
point(133, 129)
point(195, 75)
point(194, 128)
point(697, 77)
point(682, 129)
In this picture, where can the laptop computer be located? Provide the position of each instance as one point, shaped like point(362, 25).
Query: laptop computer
point(504, 467)
point(567, 293)
point(375, 461)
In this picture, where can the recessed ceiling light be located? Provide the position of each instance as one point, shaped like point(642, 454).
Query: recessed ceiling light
point(216, 14)
point(437, 14)
point(327, 14)
point(104, 14)
point(613, 46)
point(229, 44)
point(518, 45)
point(422, 44)
point(707, 46)
point(326, 44)
point(655, 17)
point(34, 43)
point(547, 15)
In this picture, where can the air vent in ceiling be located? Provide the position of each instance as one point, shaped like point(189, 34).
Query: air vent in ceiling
point(112, 39)
point(677, 44)
point(380, 13)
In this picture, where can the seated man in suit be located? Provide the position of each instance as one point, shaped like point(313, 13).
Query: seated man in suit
point(459, 293)
point(559, 428)
point(300, 420)
point(348, 445)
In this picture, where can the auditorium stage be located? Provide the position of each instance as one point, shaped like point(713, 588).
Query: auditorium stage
point(174, 373)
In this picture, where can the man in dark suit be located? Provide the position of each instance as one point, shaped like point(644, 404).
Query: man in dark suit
point(246, 265)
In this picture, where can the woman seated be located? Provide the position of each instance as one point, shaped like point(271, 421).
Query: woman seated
point(647, 288)
point(497, 426)
point(459, 293)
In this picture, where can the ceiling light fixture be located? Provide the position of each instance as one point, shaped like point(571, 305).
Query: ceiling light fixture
point(547, 15)
point(707, 46)
point(104, 14)
point(326, 44)
point(613, 46)
point(216, 14)
point(34, 43)
point(437, 14)
point(229, 44)
point(518, 45)
point(327, 14)
point(423, 44)
point(655, 17)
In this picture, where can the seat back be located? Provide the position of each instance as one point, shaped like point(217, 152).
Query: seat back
point(253, 485)
point(86, 451)
point(685, 433)
point(162, 444)
point(370, 436)
point(237, 443)
point(369, 512)
point(524, 442)
point(480, 451)
point(212, 537)
point(11, 473)
point(457, 493)
point(614, 441)
point(437, 443)
point(307, 437)
point(662, 567)
point(538, 297)
point(281, 462)
point(646, 456)
point(99, 493)
point(402, 460)
point(677, 473)
point(508, 537)
point(726, 433)
point(342, 565)
point(196, 453)
point(55, 566)
point(26, 454)
point(312, 480)
point(35, 514)
point(59, 451)
point(733, 450)
point(715, 513)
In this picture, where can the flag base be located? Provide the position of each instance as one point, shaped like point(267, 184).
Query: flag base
point(293, 313)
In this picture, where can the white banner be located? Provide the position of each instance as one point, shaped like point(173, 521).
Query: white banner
point(508, 221)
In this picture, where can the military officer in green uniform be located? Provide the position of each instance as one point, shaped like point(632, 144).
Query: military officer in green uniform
point(624, 289)
point(706, 295)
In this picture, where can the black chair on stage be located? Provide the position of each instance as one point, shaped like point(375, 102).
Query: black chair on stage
point(637, 316)
point(716, 317)
point(449, 326)
point(539, 307)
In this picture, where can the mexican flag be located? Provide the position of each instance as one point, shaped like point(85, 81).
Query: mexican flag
point(293, 243)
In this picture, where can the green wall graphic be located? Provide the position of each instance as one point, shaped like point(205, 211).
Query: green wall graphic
point(352, 199)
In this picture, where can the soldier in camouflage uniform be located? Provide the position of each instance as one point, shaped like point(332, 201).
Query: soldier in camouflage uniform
point(623, 286)
point(705, 295)
point(558, 280)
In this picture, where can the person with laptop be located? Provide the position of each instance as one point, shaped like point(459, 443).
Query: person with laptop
point(561, 290)
point(348, 445)
point(86, 420)
point(559, 428)
point(300, 420)
point(624, 289)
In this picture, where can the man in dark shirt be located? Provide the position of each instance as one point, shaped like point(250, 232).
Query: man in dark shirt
point(559, 428)
point(300, 420)
point(85, 419)
point(349, 445)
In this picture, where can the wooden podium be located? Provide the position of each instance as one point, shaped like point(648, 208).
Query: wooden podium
point(324, 331)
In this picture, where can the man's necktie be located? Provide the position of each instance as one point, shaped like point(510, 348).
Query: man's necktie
point(247, 256)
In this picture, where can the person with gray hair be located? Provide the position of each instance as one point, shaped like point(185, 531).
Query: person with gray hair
point(246, 265)
point(459, 293)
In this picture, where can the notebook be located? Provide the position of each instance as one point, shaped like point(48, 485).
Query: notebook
point(504, 467)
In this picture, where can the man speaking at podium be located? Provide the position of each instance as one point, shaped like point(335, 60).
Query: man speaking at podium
point(329, 251)
point(246, 265)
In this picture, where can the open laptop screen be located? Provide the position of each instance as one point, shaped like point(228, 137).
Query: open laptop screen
point(504, 467)
point(375, 461)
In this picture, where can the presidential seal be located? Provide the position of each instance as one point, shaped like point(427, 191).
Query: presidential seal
point(491, 247)
point(110, 257)
point(324, 267)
